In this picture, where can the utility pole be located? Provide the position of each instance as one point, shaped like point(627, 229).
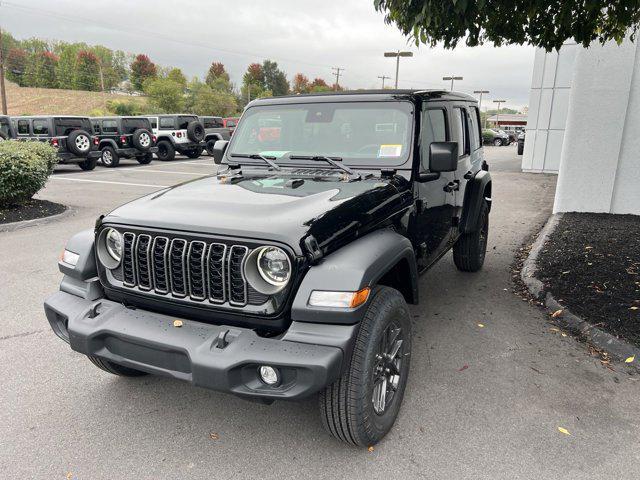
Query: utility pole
point(498, 114)
point(383, 78)
point(452, 78)
point(101, 75)
point(480, 92)
point(397, 56)
point(336, 72)
point(3, 92)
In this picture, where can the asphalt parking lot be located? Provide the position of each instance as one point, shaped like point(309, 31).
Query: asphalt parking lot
point(482, 401)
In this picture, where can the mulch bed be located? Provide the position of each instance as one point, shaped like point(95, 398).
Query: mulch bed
point(591, 265)
point(30, 210)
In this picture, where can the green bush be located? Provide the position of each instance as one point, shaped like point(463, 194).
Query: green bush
point(24, 169)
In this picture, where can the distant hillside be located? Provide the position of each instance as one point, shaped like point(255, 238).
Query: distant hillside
point(41, 101)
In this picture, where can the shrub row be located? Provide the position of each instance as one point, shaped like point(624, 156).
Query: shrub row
point(24, 169)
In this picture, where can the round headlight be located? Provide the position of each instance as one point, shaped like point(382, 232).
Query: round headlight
point(274, 266)
point(113, 242)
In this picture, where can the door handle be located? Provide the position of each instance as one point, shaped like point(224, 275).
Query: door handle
point(468, 175)
point(452, 186)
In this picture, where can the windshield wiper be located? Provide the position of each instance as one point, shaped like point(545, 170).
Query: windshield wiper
point(335, 161)
point(257, 156)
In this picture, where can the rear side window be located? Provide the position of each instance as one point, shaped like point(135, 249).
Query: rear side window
point(96, 128)
point(462, 130)
point(23, 127)
point(212, 122)
point(183, 121)
point(474, 116)
point(4, 127)
point(130, 125)
point(64, 126)
point(168, 123)
point(109, 126)
point(154, 123)
point(40, 127)
point(434, 129)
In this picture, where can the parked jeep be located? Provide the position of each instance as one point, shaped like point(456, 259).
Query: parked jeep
point(289, 272)
point(124, 137)
point(521, 140)
point(6, 130)
point(495, 137)
point(231, 123)
point(70, 135)
point(214, 130)
point(177, 133)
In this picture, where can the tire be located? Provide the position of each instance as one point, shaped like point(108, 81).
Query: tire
point(497, 142)
point(347, 406)
point(114, 368)
point(520, 148)
point(145, 159)
point(88, 164)
point(79, 143)
point(210, 144)
point(194, 153)
point(141, 139)
point(195, 131)
point(470, 249)
point(3, 137)
point(109, 157)
point(166, 152)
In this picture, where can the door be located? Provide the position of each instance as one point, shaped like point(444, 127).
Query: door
point(460, 126)
point(434, 203)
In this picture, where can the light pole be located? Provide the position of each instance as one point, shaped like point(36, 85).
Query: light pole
point(397, 56)
point(498, 114)
point(336, 72)
point(480, 92)
point(383, 78)
point(452, 78)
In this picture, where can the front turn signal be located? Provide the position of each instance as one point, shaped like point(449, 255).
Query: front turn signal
point(321, 298)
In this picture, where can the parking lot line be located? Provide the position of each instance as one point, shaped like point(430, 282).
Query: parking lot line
point(59, 177)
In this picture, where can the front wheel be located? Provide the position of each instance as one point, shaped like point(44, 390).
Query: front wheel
point(166, 152)
point(145, 159)
point(361, 407)
point(114, 368)
point(109, 157)
point(88, 164)
point(194, 153)
point(211, 147)
point(470, 249)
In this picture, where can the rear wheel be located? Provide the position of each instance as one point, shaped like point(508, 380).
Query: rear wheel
point(145, 159)
point(210, 146)
point(194, 153)
point(114, 368)
point(361, 407)
point(470, 249)
point(109, 157)
point(166, 152)
point(88, 164)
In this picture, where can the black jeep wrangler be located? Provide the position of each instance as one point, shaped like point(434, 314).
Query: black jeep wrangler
point(177, 133)
point(124, 137)
point(70, 135)
point(289, 272)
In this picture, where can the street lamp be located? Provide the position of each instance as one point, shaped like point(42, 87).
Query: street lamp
point(498, 114)
point(452, 78)
point(480, 92)
point(397, 56)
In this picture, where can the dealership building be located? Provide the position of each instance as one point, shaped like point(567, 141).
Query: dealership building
point(508, 121)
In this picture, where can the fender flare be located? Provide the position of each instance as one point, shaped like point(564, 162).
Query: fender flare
point(211, 136)
point(362, 263)
point(107, 142)
point(474, 195)
point(82, 243)
point(167, 138)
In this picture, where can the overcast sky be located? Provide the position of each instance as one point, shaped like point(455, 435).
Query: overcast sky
point(302, 36)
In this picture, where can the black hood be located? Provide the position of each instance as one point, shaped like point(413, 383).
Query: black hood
point(283, 207)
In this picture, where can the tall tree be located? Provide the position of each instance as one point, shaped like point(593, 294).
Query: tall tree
point(16, 62)
point(543, 23)
point(40, 70)
point(204, 100)
point(253, 83)
point(218, 78)
point(164, 94)
point(87, 71)
point(67, 63)
point(176, 75)
point(319, 85)
point(142, 69)
point(300, 84)
point(275, 79)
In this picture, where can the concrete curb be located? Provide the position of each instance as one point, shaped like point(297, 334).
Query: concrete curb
point(615, 347)
point(11, 227)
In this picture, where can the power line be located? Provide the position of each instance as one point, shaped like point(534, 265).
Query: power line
point(383, 78)
point(336, 72)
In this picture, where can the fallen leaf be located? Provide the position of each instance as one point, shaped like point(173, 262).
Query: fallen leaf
point(177, 323)
point(563, 430)
point(630, 359)
point(214, 436)
point(554, 329)
point(69, 475)
point(563, 334)
point(481, 325)
point(557, 313)
point(370, 449)
point(588, 248)
point(634, 308)
point(464, 367)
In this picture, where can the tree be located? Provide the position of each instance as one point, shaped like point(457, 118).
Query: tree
point(87, 71)
point(275, 79)
point(67, 63)
point(204, 100)
point(176, 75)
point(15, 64)
point(543, 23)
point(142, 69)
point(319, 85)
point(300, 84)
point(253, 82)
point(218, 79)
point(165, 94)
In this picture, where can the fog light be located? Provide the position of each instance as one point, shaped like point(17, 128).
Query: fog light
point(269, 375)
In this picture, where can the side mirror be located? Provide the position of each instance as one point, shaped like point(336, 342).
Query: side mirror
point(218, 150)
point(443, 157)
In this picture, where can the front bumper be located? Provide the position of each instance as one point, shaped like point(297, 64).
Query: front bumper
point(196, 352)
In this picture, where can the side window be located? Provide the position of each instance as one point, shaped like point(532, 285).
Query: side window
point(154, 122)
point(474, 115)
point(23, 127)
point(218, 122)
point(167, 123)
point(462, 130)
point(40, 127)
point(96, 128)
point(110, 126)
point(434, 129)
point(209, 123)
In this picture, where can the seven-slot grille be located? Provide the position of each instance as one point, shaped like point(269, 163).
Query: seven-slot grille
point(187, 269)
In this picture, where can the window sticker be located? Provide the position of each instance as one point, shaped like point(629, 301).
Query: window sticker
point(390, 151)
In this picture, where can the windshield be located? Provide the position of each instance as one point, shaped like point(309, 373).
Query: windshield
point(360, 133)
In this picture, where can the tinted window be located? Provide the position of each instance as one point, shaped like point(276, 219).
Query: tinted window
point(64, 126)
point(231, 123)
point(461, 129)
point(212, 122)
point(130, 125)
point(476, 133)
point(154, 123)
point(183, 121)
point(96, 128)
point(4, 127)
point(109, 126)
point(434, 129)
point(168, 123)
point(23, 127)
point(40, 127)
